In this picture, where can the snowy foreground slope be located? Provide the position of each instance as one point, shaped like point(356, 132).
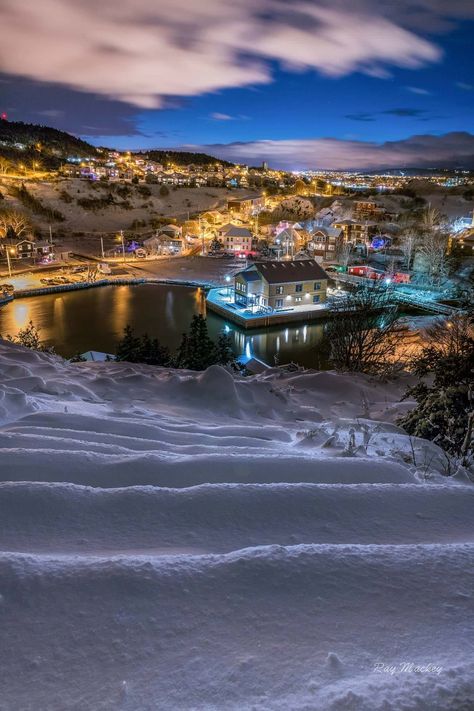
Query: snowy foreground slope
point(175, 540)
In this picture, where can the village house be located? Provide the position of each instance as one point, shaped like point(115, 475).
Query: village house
point(164, 243)
point(173, 231)
point(43, 249)
point(355, 232)
point(237, 239)
point(324, 243)
point(212, 217)
point(22, 248)
point(462, 244)
point(246, 206)
point(368, 210)
point(281, 285)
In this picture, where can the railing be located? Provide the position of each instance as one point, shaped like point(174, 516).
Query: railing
point(434, 306)
point(403, 297)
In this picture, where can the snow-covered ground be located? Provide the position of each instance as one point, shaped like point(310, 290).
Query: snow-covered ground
point(175, 540)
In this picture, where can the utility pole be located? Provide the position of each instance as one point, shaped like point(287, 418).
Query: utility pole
point(123, 245)
point(102, 246)
point(50, 235)
point(8, 262)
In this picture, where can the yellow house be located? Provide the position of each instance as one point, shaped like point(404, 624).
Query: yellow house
point(281, 285)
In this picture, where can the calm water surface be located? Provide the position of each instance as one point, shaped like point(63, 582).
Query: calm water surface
point(93, 319)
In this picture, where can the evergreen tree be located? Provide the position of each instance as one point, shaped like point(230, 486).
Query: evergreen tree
point(182, 354)
point(128, 347)
point(224, 351)
point(197, 351)
point(152, 352)
point(29, 337)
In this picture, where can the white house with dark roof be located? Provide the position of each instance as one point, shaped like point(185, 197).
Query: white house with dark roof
point(281, 285)
point(236, 239)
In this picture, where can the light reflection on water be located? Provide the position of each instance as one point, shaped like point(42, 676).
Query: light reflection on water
point(94, 319)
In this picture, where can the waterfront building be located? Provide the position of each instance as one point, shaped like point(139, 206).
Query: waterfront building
point(281, 285)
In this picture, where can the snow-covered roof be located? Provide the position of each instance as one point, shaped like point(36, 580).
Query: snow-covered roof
point(97, 356)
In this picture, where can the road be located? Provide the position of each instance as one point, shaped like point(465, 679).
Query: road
point(208, 270)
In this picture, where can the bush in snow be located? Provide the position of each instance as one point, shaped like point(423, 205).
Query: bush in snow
point(142, 349)
point(445, 409)
point(197, 350)
point(29, 338)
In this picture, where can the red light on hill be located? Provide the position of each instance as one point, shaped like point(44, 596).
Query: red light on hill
point(4, 116)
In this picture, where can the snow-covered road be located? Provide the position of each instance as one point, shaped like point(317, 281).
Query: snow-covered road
point(175, 540)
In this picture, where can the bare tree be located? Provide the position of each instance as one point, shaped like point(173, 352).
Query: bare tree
point(434, 250)
point(362, 334)
point(431, 219)
point(4, 166)
point(408, 242)
point(13, 224)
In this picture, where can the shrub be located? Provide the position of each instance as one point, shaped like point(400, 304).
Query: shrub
point(29, 338)
point(445, 404)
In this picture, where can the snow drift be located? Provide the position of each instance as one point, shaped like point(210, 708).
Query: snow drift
point(173, 540)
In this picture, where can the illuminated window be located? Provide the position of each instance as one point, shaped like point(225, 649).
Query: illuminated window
point(298, 299)
point(279, 303)
point(279, 290)
point(317, 286)
point(316, 299)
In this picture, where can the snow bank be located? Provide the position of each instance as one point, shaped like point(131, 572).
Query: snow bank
point(177, 540)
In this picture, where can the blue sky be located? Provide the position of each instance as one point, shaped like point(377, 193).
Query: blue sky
point(291, 75)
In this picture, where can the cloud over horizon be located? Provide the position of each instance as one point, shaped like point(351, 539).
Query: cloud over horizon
point(141, 51)
point(423, 151)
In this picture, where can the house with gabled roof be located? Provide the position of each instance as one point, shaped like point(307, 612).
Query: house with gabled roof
point(281, 285)
point(236, 239)
point(325, 242)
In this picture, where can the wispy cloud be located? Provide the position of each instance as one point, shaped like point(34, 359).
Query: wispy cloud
point(451, 149)
point(139, 51)
point(216, 116)
point(465, 87)
point(418, 90)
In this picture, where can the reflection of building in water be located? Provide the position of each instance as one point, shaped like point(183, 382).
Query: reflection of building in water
point(296, 344)
point(21, 315)
point(59, 317)
point(121, 311)
point(200, 299)
point(169, 304)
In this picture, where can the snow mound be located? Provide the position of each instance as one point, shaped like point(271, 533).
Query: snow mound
point(178, 540)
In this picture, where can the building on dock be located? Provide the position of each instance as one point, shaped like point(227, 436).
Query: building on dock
point(274, 286)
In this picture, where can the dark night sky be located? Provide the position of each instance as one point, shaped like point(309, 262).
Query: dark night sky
point(321, 83)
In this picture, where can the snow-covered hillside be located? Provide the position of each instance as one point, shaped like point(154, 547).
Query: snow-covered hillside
point(177, 541)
